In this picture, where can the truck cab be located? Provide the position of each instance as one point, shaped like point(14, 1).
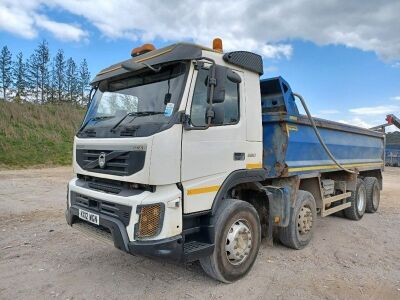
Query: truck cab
point(171, 145)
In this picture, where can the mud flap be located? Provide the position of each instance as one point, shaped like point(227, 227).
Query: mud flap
point(279, 209)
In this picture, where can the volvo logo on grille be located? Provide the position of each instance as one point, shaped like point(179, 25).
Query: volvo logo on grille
point(102, 160)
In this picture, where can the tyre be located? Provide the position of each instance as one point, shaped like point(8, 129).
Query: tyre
point(358, 200)
point(237, 241)
point(299, 232)
point(373, 194)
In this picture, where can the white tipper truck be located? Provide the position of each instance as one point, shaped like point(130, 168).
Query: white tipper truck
point(184, 154)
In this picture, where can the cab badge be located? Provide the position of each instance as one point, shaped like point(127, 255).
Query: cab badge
point(102, 160)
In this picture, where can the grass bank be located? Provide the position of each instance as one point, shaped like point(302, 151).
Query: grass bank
point(37, 135)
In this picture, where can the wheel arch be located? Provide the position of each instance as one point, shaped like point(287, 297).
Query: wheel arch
point(247, 178)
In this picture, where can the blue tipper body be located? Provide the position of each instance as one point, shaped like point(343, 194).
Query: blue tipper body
point(291, 146)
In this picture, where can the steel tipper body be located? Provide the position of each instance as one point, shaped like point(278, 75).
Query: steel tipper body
point(292, 148)
point(185, 154)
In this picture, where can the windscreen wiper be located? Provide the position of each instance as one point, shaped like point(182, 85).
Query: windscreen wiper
point(93, 119)
point(136, 114)
point(134, 66)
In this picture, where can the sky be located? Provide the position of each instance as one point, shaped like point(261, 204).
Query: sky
point(342, 56)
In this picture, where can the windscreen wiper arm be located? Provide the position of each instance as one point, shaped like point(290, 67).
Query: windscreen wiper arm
point(93, 119)
point(134, 66)
point(136, 114)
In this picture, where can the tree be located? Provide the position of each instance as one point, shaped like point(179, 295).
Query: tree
point(52, 90)
point(43, 59)
point(72, 87)
point(33, 77)
point(84, 79)
point(41, 78)
point(19, 74)
point(5, 70)
point(59, 74)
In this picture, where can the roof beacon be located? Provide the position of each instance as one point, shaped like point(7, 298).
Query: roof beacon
point(217, 45)
point(142, 50)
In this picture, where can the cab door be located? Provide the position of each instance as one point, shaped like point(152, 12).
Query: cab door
point(210, 155)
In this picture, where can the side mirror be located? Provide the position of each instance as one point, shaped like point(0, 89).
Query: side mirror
point(219, 89)
point(221, 74)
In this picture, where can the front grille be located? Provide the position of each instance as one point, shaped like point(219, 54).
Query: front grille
point(119, 211)
point(150, 220)
point(115, 162)
point(117, 165)
point(101, 186)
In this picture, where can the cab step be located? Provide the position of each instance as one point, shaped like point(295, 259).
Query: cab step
point(194, 250)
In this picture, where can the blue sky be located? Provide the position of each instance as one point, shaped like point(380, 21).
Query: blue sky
point(347, 71)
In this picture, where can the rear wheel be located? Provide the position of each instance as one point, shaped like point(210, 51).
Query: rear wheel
point(358, 200)
point(237, 241)
point(373, 194)
point(299, 232)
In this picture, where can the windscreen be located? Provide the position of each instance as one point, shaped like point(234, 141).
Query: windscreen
point(141, 104)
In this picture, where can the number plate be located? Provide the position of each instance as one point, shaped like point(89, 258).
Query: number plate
point(88, 216)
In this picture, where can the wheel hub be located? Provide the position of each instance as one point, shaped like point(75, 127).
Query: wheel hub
point(305, 220)
point(361, 200)
point(238, 242)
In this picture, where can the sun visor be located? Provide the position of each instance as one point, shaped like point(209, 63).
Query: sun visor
point(176, 52)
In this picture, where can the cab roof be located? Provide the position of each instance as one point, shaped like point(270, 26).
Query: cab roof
point(180, 52)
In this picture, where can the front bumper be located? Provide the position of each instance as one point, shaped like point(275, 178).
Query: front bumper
point(170, 248)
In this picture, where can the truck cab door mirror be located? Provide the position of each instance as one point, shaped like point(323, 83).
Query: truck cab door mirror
point(219, 89)
point(221, 74)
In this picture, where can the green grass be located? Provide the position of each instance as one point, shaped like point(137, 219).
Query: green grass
point(37, 135)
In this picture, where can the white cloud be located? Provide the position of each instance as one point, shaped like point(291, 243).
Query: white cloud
point(16, 19)
point(62, 31)
point(266, 28)
point(23, 18)
point(357, 122)
point(375, 110)
point(270, 69)
point(397, 98)
point(276, 51)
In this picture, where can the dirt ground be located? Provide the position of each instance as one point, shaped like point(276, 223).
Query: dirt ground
point(41, 257)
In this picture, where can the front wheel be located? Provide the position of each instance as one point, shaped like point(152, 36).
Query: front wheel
point(237, 241)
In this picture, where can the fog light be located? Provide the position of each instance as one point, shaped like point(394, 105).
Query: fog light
point(150, 220)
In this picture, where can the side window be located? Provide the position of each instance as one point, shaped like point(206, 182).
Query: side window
point(226, 113)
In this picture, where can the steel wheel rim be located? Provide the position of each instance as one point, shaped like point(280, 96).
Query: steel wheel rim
point(361, 200)
point(238, 242)
point(304, 220)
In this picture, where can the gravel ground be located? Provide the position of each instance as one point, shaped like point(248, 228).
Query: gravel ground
point(41, 257)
